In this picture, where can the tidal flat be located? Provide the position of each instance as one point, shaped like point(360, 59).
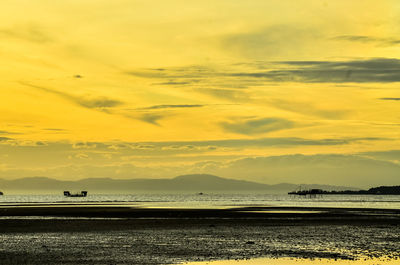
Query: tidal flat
point(171, 236)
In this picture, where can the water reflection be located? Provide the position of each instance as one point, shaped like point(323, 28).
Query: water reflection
point(293, 261)
point(215, 200)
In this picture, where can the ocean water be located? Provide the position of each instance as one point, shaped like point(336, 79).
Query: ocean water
point(211, 200)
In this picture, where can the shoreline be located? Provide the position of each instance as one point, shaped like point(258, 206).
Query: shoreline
point(133, 235)
point(253, 212)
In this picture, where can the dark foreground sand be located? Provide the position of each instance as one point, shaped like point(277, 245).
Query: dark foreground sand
point(124, 235)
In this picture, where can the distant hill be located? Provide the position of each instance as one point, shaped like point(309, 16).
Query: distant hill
point(382, 190)
point(185, 183)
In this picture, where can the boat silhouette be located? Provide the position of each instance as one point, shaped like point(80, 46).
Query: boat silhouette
point(68, 194)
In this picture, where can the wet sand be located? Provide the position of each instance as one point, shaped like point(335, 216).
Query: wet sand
point(296, 261)
point(87, 234)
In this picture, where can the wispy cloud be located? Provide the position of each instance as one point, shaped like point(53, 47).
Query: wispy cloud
point(250, 126)
point(174, 83)
point(341, 169)
point(51, 154)
point(269, 41)
point(55, 129)
point(265, 142)
point(390, 155)
point(152, 118)
point(98, 103)
point(237, 77)
point(307, 108)
point(8, 132)
point(233, 95)
point(395, 99)
point(28, 32)
point(193, 146)
point(379, 70)
point(369, 39)
point(182, 106)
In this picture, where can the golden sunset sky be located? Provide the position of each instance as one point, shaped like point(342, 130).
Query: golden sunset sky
point(302, 91)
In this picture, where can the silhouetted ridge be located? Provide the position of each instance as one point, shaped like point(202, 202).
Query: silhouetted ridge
point(392, 190)
point(211, 182)
point(197, 177)
point(382, 190)
point(184, 183)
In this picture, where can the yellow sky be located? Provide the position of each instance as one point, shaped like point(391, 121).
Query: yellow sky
point(175, 72)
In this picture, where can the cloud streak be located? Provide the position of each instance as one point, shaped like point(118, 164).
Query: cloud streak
point(250, 126)
point(151, 118)
point(307, 108)
point(269, 41)
point(7, 132)
point(264, 142)
point(178, 145)
point(98, 103)
point(373, 70)
point(30, 32)
point(394, 99)
point(183, 106)
point(376, 70)
point(369, 39)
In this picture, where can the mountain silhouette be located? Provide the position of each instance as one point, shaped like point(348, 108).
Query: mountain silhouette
point(184, 183)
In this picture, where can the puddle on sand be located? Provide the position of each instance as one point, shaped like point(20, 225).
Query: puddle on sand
point(292, 261)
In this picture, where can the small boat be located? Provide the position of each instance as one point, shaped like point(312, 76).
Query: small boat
point(82, 194)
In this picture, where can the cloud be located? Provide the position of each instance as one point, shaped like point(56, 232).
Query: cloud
point(54, 129)
point(85, 145)
point(395, 99)
point(175, 83)
point(379, 70)
point(152, 118)
point(167, 147)
point(153, 114)
point(177, 75)
point(250, 126)
point(269, 41)
point(171, 158)
point(336, 169)
point(307, 108)
point(156, 107)
point(265, 142)
point(166, 74)
point(390, 155)
point(369, 39)
point(98, 103)
point(233, 95)
point(148, 117)
point(332, 169)
point(235, 78)
point(8, 132)
point(30, 32)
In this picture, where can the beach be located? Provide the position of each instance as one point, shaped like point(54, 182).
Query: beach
point(96, 234)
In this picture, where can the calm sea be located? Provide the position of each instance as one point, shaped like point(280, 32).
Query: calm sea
point(212, 200)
